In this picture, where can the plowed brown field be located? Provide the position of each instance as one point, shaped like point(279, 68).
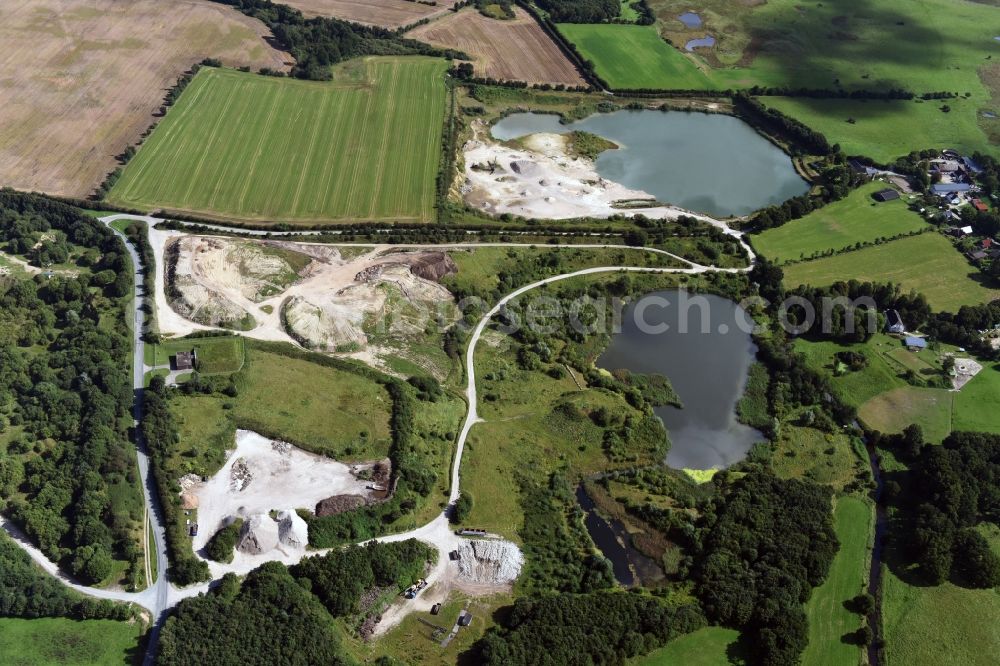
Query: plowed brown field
point(81, 79)
point(384, 13)
point(516, 50)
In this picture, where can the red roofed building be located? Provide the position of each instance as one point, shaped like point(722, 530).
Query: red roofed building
point(987, 242)
point(980, 206)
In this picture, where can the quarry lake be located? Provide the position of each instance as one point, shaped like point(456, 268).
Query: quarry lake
point(711, 163)
point(706, 353)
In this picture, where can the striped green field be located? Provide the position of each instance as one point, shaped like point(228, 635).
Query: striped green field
point(829, 620)
point(262, 148)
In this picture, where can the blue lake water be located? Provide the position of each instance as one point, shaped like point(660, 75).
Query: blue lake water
point(710, 163)
point(706, 352)
point(690, 20)
point(703, 42)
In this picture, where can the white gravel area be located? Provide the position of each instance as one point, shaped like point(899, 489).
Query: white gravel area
point(260, 476)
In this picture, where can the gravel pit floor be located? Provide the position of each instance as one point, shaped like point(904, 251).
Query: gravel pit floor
point(262, 475)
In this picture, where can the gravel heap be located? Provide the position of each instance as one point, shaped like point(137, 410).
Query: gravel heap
point(489, 561)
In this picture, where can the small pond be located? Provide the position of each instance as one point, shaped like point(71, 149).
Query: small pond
point(711, 163)
point(690, 20)
point(702, 43)
point(701, 342)
point(629, 565)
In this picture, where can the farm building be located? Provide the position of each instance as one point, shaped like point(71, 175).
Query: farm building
point(941, 189)
point(893, 322)
point(886, 195)
point(186, 360)
point(914, 343)
point(979, 205)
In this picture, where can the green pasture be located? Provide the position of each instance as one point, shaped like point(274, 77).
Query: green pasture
point(708, 646)
point(977, 404)
point(256, 147)
point(892, 411)
point(927, 263)
point(854, 219)
point(829, 620)
point(943, 624)
point(887, 129)
point(634, 56)
point(324, 410)
point(57, 640)
point(821, 457)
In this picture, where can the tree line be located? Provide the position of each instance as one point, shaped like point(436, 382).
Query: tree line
point(319, 42)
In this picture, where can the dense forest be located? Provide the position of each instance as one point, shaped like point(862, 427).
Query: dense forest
point(69, 476)
point(763, 543)
point(278, 615)
point(945, 495)
point(267, 618)
point(316, 43)
point(597, 628)
point(581, 11)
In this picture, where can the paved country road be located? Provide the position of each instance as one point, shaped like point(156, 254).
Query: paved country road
point(161, 596)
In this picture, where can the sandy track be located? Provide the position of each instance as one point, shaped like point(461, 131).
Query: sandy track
point(81, 79)
point(384, 13)
point(515, 50)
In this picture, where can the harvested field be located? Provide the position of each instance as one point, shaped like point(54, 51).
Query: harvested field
point(517, 50)
point(384, 13)
point(81, 79)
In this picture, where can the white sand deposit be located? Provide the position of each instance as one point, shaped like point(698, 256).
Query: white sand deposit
point(261, 476)
point(493, 562)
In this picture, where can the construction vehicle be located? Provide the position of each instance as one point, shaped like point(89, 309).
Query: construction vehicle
point(413, 590)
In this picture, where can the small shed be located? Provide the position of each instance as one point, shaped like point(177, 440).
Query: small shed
point(914, 343)
point(186, 360)
point(464, 618)
point(886, 195)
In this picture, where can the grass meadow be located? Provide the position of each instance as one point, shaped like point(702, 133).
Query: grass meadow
point(978, 403)
point(322, 409)
point(215, 355)
point(634, 56)
point(855, 219)
point(944, 624)
point(829, 620)
point(927, 263)
point(57, 640)
point(365, 147)
point(884, 130)
point(709, 646)
point(929, 408)
point(821, 457)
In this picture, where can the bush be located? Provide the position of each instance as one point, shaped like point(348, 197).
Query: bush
point(463, 507)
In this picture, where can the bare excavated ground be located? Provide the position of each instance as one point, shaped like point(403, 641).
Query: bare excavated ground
point(304, 293)
point(515, 50)
point(81, 79)
point(384, 13)
point(262, 476)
